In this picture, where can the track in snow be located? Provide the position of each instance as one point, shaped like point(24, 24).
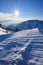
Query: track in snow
point(26, 49)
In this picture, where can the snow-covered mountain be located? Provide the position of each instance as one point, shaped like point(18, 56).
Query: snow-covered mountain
point(22, 48)
point(29, 24)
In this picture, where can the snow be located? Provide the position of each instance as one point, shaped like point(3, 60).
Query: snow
point(22, 48)
point(2, 31)
point(29, 24)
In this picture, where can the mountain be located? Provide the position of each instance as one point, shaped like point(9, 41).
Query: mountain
point(29, 24)
point(22, 48)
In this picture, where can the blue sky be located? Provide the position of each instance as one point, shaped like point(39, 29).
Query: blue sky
point(28, 9)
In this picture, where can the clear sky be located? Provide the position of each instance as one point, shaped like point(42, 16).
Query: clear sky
point(27, 9)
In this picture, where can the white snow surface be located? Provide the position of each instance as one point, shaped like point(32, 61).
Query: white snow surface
point(22, 48)
point(2, 31)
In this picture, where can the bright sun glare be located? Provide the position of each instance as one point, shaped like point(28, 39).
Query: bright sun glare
point(17, 13)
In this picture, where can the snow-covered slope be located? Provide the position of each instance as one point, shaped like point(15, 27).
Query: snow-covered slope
point(29, 24)
point(2, 31)
point(22, 48)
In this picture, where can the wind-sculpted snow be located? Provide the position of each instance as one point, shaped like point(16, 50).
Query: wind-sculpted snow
point(22, 48)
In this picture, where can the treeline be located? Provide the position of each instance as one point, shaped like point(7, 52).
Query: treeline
point(9, 29)
point(14, 30)
point(0, 25)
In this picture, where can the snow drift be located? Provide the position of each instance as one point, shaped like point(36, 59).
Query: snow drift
point(22, 48)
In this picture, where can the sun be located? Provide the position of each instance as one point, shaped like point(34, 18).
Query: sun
point(16, 13)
